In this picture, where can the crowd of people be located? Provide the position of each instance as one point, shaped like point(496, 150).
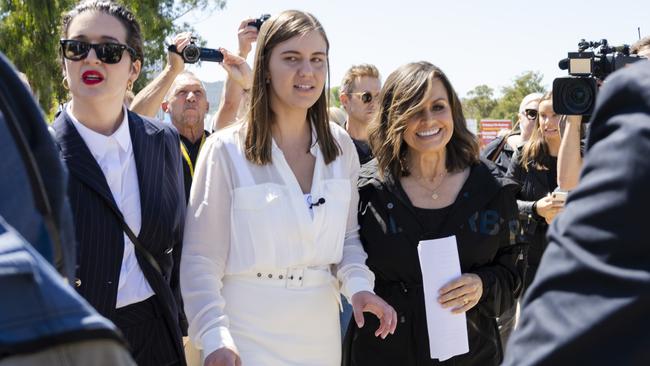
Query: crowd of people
point(282, 236)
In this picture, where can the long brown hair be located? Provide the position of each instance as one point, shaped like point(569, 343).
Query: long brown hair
point(400, 99)
point(536, 152)
point(278, 29)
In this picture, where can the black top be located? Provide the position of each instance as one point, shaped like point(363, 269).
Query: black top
point(193, 151)
point(484, 220)
point(363, 150)
point(589, 303)
point(535, 184)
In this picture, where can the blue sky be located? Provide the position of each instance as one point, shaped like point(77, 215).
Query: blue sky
point(474, 42)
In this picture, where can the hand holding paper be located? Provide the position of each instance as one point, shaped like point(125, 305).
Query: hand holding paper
point(441, 266)
point(462, 293)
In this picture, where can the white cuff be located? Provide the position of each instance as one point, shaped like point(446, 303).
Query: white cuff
point(216, 338)
point(354, 285)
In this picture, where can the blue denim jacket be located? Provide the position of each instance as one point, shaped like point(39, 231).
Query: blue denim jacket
point(39, 309)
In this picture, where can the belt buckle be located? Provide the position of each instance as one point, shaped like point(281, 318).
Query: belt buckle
point(295, 277)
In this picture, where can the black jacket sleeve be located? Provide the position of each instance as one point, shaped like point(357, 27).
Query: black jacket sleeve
point(502, 280)
point(590, 299)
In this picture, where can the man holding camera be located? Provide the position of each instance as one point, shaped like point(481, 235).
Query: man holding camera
point(589, 301)
point(183, 96)
point(359, 97)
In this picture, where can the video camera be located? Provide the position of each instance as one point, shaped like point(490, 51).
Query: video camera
point(192, 53)
point(594, 61)
point(259, 21)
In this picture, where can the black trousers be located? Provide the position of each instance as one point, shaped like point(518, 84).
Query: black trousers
point(150, 340)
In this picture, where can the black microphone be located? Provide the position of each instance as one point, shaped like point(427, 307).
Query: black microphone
point(563, 64)
point(317, 203)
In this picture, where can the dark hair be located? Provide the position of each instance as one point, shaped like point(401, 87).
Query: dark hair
point(400, 99)
point(121, 13)
point(275, 30)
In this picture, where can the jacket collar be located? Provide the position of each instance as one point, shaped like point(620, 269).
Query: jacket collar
point(482, 185)
point(147, 141)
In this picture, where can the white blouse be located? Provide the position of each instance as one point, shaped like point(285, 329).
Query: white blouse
point(245, 218)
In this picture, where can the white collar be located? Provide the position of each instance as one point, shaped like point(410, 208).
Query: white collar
point(98, 143)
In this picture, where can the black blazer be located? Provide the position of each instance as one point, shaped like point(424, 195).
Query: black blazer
point(98, 230)
point(589, 303)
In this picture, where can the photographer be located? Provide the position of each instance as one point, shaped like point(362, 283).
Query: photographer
point(235, 97)
point(589, 303)
point(183, 96)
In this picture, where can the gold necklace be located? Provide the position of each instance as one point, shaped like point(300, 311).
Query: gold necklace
point(434, 194)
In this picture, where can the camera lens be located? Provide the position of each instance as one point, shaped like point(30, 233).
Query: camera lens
point(191, 53)
point(578, 96)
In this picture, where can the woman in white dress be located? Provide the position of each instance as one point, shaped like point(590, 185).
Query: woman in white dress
point(272, 219)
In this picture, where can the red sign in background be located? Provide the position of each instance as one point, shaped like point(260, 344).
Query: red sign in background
point(489, 128)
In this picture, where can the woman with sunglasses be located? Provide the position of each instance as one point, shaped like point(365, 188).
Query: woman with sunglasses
point(501, 149)
point(125, 186)
point(271, 229)
point(538, 166)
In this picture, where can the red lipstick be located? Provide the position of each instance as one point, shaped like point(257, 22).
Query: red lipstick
point(92, 77)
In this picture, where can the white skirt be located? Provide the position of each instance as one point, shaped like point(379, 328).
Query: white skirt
point(276, 324)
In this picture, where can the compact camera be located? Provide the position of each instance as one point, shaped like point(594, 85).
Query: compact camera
point(192, 53)
point(594, 61)
point(259, 21)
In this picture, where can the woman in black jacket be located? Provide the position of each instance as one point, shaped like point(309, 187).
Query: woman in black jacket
point(427, 182)
point(544, 161)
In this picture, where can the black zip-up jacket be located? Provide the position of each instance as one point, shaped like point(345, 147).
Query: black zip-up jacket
point(484, 220)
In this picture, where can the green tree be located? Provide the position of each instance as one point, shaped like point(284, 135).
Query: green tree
point(335, 95)
point(29, 34)
point(508, 105)
point(479, 102)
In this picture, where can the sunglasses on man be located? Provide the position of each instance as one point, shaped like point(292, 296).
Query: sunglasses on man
point(108, 53)
point(366, 97)
point(531, 114)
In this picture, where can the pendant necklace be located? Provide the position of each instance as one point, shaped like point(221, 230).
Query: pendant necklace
point(434, 194)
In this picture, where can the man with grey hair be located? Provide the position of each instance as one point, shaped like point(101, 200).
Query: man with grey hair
point(187, 104)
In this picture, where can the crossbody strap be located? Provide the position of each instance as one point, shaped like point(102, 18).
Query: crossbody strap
point(134, 239)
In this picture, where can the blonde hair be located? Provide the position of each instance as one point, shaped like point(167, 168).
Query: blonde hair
point(401, 98)
point(536, 152)
point(357, 71)
point(278, 29)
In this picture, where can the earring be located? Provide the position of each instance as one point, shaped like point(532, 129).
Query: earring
point(65, 83)
point(129, 85)
point(268, 80)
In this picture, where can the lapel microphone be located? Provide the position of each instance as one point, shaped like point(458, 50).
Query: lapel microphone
point(317, 203)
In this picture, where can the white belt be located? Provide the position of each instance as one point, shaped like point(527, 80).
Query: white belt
point(289, 277)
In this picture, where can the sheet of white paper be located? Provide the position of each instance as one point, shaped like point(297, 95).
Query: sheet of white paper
point(440, 265)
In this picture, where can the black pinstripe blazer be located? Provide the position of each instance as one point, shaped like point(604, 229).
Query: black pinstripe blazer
point(98, 230)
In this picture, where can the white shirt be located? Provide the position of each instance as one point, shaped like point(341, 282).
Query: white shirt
point(114, 154)
point(245, 218)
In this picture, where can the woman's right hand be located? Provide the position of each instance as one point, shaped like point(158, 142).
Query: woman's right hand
point(547, 208)
point(222, 357)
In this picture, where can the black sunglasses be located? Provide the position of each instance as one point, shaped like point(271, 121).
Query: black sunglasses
point(531, 113)
point(366, 97)
point(108, 53)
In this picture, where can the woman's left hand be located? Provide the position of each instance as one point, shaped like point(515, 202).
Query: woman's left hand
point(365, 301)
point(462, 294)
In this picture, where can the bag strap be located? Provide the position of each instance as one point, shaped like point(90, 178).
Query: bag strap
point(499, 148)
point(134, 239)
